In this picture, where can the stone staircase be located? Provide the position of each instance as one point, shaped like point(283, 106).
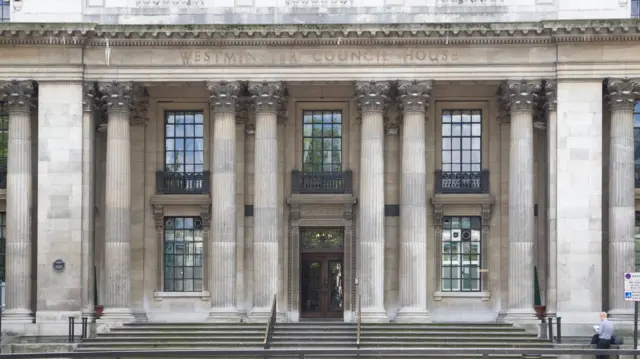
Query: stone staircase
point(158, 336)
point(315, 334)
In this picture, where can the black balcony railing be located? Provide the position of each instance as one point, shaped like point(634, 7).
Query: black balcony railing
point(182, 182)
point(462, 182)
point(637, 170)
point(321, 182)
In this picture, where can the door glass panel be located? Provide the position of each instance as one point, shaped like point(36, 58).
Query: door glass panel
point(311, 285)
point(335, 285)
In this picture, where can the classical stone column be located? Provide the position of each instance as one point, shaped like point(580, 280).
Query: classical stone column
point(621, 94)
point(222, 236)
point(89, 103)
point(118, 99)
point(268, 99)
point(519, 98)
point(19, 96)
point(413, 100)
point(372, 98)
point(552, 202)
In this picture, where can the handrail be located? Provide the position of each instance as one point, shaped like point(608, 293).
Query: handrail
point(359, 322)
point(268, 333)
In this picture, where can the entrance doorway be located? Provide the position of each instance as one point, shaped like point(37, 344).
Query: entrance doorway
point(322, 274)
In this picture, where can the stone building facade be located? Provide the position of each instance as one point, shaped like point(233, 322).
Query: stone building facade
point(183, 173)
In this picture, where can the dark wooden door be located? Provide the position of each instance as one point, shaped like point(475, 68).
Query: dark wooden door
point(321, 288)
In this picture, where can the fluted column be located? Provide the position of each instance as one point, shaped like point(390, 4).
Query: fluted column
point(519, 97)
point(18, 95)
point(222, 236)
point(268, 98)
point(621, 94)
point(117, 98)
point(88, 201)
point(413, 100)
point(372, 98)
point(550, 92)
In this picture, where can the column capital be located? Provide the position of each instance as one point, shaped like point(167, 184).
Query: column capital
point(414, 96)
point(622, 92)
point(19, 95)
point(267, 96)
point(223, 95)
point(116, 96)
point(90, 96)
point(520, 95)
point(372, 96)
point(550, 92)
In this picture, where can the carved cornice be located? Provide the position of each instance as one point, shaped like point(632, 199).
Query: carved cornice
point(90, 97)
point(268, 96)
point(116, 96)
point(550, 92)
point(224, 96)
point(18, 95)
point(372, 96)
point(90, 34)
point(622, 93)
point(519, 95)
point(414, 95)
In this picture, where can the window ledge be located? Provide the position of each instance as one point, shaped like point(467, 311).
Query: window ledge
point(161, 295)
point(484, 295)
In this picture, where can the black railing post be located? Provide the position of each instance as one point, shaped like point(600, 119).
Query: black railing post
point(550, 328)
point(3, 177)
point(72, 322)
point(348, 181)
point(85, 323)
point(559, 330)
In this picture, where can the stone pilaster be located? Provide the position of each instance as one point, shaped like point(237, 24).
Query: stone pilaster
point(413, 100)
point(268, 100)
point(19, 96)
point(550, 92)
point(118, 99)
point(621, 94)
point(89, 106)
point(519, 98)
point(372, 98)
point(222, 236)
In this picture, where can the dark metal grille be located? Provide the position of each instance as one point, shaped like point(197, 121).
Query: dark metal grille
point(3, 245)
point(5, 11)
point(636, 133)
point(322, 141)
point(184, 147)
point(183, 254)
point(461, 254)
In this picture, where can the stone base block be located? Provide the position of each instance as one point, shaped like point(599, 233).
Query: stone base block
point(41, 329)
point(413, 315)
point(223, 315)
point(17, 316)
point(116, 316)
point(374, 315)
point(259, 315)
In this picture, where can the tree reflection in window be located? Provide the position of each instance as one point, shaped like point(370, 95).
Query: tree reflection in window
point(328, 239)
point(322, 141)
point(183, 254)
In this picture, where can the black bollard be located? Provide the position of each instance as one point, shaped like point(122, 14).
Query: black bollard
point(85, 324)
point(550, 319)
point(559, 330)
point(72, 322)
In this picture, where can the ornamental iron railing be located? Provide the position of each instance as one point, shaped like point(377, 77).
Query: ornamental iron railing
point(182, 182)
point(462, 182)
point(321, 182)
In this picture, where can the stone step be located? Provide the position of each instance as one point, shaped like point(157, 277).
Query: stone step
point(449, 334)
point(210, 333)
point(101, 338)
point(410, 344)
point(191, 327)
point(324, 337)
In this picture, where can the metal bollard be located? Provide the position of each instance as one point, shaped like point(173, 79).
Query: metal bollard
point(550, 319)
point(72, 322)
point(559, 330)
point(85, 324)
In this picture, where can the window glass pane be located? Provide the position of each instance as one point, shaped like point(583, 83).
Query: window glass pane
point(461, 141)
point(5, 11)
point(322, 141)
point(184, 141)
point(183, 242)
point(461, 253)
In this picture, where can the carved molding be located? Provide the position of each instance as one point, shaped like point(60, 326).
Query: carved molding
point(268, 97)
point(519, 95)
point(372, 96)
point(90, 97)
point(550, 92)
point(205, 215)
point(116, 96)
point(250, 129)
point(158, 217)
point(414, 96)
point(224, 96)
point(18, 95)
point(622, 93)
point(140, 111)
